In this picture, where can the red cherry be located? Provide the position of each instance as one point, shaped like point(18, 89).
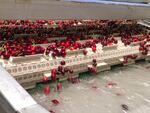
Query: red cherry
point(63, 49)
point(85, 52)
point(51, 111)
point(72, 48)
point(47, 90)
point(63, 54)
point(55, 102)
point(66, 69)
point(95, 64)
point(59, 87)
point(62, 43)
point(74, 80)
point(62, 72)
point(89, 69)
point(53, 74)
point(70, 71)
point(62, 62)
point(5, 55)
point(47, 52)
point(116, 41)
point(94, 49)
point(141, 49)
point(60, 68)
point(33, 48)
point(67, 44)
point(54, 54)
point(76, 45)
point(135, 39)
point(125, 61)
point(144, 53)
point(93, 70)
point(45, 79)
point(134, 56)
point(94, 60)
point(129, 56)
point(142, 43)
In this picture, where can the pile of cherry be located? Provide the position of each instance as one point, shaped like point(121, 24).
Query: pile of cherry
point(62, 71)
point(144, 47)
point(128, 39)
point(21, 46)
point(18, 49)
point(93, 68)
point(59, 48)
point(75, 40)
point(128, 57)
point(30, 40)
point(46, 28)
point(51, 28)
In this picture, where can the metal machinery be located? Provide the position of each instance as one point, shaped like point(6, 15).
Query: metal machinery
point(14, 98)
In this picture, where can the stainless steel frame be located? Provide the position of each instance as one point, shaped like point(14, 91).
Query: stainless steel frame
point(14, 98)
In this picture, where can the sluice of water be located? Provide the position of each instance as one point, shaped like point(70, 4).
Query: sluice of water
point(122, 90)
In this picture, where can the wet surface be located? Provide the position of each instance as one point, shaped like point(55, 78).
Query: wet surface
point(121, 90)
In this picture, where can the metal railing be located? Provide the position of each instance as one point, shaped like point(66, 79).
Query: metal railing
point(14, 98)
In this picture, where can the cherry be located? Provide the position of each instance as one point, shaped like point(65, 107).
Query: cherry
point(60, 68)
point(76, 45)
point(47, 52)
point(62, 72)
point(51, 111)
point(72, 48)
point(94, 49)
point(45, 79)
point(63, 53)
point(66, 70)
point(70, 71)
point(141, 48)
point(54, 54)
point(62, 43)
point(134, 56)
point(62, 62)
point(94, 60)
point(125, 61)
point(95, 64)
point(93, 70)
point(47, 90)
point(142, 44)
point(59, 87)
point(5, 55)
point(55, 102)
point(115, 41)
point(144, 53)
point(53, 74)
point(85, 52)
point(67, 44)
point(89, 69)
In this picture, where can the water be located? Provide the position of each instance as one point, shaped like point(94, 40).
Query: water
point(93, 95)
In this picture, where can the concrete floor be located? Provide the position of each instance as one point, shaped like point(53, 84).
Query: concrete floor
point(1, 110)
point(94, 94)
